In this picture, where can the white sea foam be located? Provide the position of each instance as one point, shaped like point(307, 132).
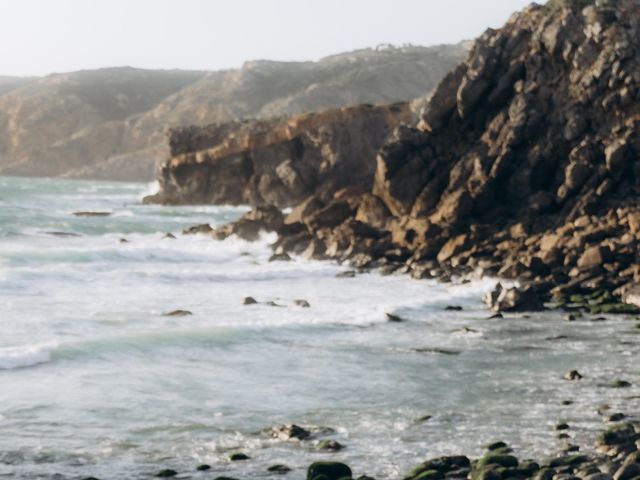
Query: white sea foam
point(152, 189)
point(25, 356)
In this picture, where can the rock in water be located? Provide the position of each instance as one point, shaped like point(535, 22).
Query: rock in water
point(573, 375)
point(290, 432)
point(329, 470)
point(177, 313)
point(92, 214)
point(513, 300)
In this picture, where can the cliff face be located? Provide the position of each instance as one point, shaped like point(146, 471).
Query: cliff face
point(277, 162)
point(112, 123)
point(524, 163)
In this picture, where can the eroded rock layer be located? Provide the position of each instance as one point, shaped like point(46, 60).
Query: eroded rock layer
point(277, 162)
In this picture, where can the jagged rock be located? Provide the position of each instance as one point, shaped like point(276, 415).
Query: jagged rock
point(277, 162)
point(372, 211)
point(290, 432)
point(632, 296)
point(328, 217)
point(522, 166)
point(453, 247)
point(513, 300)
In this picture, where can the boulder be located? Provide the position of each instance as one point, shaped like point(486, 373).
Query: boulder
point(632, 296)
point(328, 470)
point(514, 299)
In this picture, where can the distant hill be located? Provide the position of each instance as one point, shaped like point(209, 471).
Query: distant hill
point(112, 123)
point(11, 83)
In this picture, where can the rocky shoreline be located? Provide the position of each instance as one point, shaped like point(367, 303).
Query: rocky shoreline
point(616, 457)
point(522, 167)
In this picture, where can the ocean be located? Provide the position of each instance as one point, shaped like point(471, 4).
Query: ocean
point(95, 379)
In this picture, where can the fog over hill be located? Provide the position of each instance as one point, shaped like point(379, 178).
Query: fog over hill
point(112, 123)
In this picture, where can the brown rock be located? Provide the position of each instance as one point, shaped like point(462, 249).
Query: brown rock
point(453, 247)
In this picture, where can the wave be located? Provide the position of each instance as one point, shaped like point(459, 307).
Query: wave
point(12, 358)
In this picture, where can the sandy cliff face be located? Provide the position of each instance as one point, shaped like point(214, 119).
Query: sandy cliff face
point(112, 123)
point(524, 163)
point(277, 162)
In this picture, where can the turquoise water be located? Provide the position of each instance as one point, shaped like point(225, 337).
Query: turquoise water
point(94, 380)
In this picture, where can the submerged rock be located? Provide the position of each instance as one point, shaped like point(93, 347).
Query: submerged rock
point(92, 214)
point(177, 313)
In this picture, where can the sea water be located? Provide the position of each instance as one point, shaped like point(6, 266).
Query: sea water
point(96, 381)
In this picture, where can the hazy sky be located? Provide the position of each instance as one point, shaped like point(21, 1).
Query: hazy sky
point(42, 36)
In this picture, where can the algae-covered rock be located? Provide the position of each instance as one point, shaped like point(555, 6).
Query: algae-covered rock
point(502, 460)
point(328, 470)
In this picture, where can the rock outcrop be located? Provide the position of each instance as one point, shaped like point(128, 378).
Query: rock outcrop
point(280, 161)
point(524, 165)
point(112, 123)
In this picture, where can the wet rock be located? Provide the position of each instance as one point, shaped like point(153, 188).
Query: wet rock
point(347, 274)
point(302, 303)
point(123, 240)
point(92, 214)
point(620, 384)
point(203, 468)
point(614, 417)
point(394, 318)
point(63, 234)
point(496, 446)
point(514, 299)
point(169, 236)
point(203, 228)
point(249, 301)
point(280, 257)
point(330, 446)
point(453, 308)
point(562, 426)
point(328, 470)
point(282, 469)
point(177, 313)
point(290, 432)
point(573, 375)
point(166, 473)
point(239, 457)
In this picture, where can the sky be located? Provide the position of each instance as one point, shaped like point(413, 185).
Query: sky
point(38, 37)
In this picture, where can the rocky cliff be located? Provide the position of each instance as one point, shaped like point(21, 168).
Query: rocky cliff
point(112, 123)
point(524, 164)
point(280, 161)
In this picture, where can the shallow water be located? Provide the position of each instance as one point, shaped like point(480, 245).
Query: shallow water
point(94, 380)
